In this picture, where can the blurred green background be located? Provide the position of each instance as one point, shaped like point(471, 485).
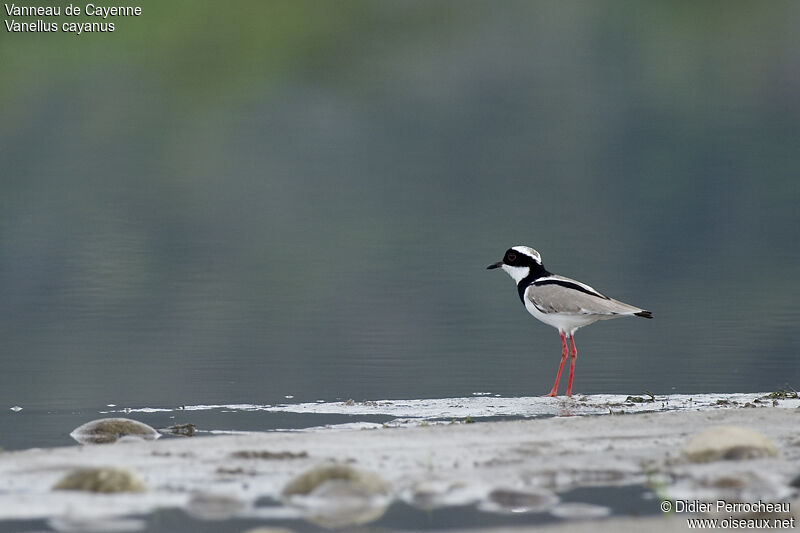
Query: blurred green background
point(238, 202)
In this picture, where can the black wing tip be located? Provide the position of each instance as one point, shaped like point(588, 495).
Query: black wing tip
point(644, 314)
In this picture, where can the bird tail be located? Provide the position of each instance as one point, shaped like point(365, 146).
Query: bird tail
point(644, 314)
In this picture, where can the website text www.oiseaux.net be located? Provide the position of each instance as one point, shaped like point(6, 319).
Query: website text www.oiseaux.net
point(755, 515)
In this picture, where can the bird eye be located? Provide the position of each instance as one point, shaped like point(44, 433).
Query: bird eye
point(512, 257)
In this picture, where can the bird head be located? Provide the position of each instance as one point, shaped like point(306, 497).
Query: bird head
point(518, 262)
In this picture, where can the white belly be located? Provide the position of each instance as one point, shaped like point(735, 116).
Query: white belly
point(566, 322)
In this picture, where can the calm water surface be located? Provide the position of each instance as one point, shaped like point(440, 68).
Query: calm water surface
point(318, 226)
point(300, 204)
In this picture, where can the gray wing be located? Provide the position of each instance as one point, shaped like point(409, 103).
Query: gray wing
point(557, 294)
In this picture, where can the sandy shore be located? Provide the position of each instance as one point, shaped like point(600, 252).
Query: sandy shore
point(434, 465)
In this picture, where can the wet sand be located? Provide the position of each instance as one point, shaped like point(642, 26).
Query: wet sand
point(428, 465)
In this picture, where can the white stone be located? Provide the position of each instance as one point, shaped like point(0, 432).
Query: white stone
point(728, 442)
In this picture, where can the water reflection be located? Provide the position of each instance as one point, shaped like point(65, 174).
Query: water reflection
point(307, 215)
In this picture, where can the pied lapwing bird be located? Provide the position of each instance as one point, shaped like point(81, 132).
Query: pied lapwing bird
point(560, 302)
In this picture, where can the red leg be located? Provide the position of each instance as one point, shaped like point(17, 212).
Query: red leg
point(574, 356)
point(554, 390)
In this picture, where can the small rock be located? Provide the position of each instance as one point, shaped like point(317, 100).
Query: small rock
point(337, 496)
point(435, 493)
point(728, 443)
point(651, 398)
point(107, 430)
point(181, 430)
point(104, 480)
point(306, 483)
point(730, 484)
point(782, 395)
point(518, 501)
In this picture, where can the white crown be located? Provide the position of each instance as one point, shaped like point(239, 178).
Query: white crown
point(530, 252)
